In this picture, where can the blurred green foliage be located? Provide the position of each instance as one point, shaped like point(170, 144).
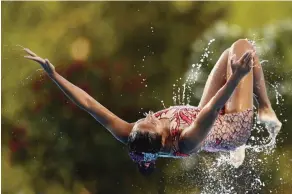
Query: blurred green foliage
point(127, 55)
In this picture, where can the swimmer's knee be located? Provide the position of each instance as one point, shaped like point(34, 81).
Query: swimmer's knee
point(226, 52)
point(243, 43)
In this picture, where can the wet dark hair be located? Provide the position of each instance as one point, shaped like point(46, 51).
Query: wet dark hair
point(146, 171)
point(144, 141)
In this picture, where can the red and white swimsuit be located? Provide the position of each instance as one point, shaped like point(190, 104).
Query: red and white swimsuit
point(229, 131)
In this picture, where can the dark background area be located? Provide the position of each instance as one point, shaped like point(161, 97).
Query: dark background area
point(128, 56)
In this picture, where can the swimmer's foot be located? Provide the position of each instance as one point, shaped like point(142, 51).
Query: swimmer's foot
point(268, 117)
point(237, 156)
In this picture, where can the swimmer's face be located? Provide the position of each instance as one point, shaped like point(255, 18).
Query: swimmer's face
point(146, 136)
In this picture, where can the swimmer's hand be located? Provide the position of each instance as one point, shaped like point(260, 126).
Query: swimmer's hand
point(45, 63)
point(242, 66)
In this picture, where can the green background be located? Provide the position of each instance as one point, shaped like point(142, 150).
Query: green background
point(128, 55)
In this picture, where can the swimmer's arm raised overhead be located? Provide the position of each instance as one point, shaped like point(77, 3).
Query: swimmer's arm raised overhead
point(191, 137)
point(119, 128)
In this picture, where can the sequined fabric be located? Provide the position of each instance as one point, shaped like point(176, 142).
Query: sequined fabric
point(228, 132)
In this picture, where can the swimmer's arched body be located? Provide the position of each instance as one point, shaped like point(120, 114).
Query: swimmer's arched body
point(221, 122)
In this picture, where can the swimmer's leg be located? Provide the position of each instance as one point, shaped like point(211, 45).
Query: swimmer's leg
point(242, 97)
point(266, 113)
point(216, 79)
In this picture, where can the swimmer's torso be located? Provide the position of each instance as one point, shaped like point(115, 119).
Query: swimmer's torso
point(229, 131)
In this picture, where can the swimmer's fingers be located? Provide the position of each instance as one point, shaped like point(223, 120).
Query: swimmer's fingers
point(253, 54)
point(251, 59)
point(45, 63)
point(247, 59)
point(243, 57)
point(36, 59)
point(29, 52)
point(232, 59)
point(248, 63)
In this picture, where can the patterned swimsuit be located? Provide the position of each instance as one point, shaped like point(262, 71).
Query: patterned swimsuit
point(229, 130)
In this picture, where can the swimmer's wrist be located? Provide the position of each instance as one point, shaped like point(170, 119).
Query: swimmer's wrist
point(52, 74)
point(235, 77)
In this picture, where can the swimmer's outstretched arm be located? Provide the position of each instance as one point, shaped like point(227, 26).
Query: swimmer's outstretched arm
point(191, 137)
point(119, 128)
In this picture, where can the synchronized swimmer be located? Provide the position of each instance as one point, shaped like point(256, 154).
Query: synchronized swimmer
point(221, 122)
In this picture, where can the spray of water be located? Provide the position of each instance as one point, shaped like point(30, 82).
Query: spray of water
point(182, 93)
point(217, 175)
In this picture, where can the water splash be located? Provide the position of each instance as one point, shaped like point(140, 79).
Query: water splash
point(278, 96)
point(214, 173)
point(183, 98)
